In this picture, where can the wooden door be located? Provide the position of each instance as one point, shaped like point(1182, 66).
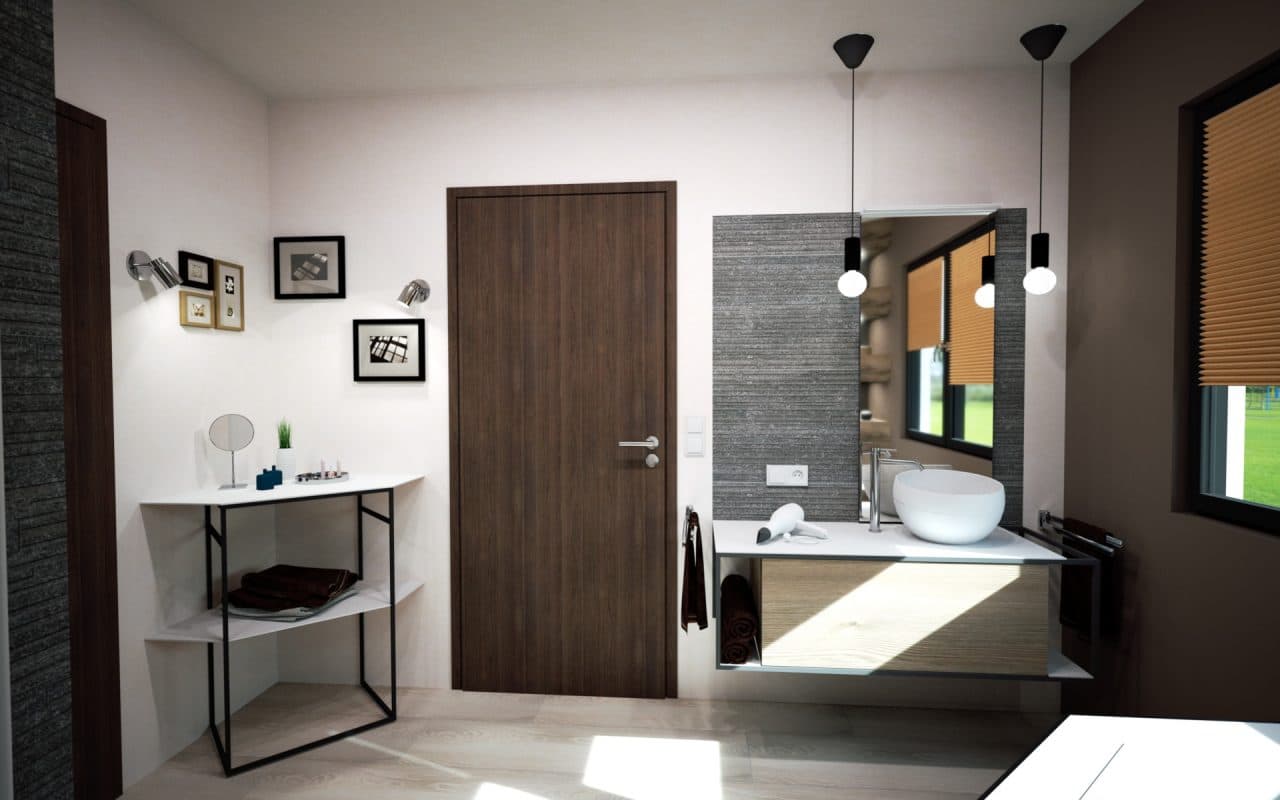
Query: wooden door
point(562, 345)
point(90, 450)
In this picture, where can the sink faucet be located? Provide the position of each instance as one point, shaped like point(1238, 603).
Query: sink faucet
point(879, 455)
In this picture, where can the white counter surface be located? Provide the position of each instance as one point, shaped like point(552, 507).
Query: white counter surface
point(1123, 758)
point(358, 482)
point(737, 539)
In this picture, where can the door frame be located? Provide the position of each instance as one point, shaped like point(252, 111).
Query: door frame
point(668, 190)
point(91, 562)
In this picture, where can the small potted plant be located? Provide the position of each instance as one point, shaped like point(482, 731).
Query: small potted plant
point(286, 461)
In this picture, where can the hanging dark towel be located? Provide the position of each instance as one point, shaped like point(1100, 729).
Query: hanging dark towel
point(739, 620)
point(693, 600)
point(1077, 591)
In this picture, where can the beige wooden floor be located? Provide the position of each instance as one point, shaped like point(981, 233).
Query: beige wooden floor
point(522, 747)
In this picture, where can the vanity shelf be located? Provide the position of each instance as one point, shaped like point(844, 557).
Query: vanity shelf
point(834, 606)
point(215, 628)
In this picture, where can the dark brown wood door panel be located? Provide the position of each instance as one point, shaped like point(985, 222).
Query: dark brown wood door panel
point(90, 452)
point(560, 348)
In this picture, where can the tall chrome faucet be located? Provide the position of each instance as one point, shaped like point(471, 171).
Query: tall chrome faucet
point(879, 455)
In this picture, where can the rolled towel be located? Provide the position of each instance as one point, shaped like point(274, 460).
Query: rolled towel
point(736, 651)
point(740, 622)
point(738, 605)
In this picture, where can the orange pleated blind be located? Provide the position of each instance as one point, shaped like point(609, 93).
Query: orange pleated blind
point(1240, 241)
point(924, 306)
point(973, 328)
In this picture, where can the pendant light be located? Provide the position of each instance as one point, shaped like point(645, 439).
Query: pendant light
point(1040, 43)
point(852, 49)
point(985, 295)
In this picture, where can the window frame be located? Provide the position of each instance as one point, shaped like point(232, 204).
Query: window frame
point(1207, 411)
point(952, 396)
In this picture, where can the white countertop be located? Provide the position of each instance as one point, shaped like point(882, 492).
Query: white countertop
point(1120, 758)
point(737, 538)
point(358, 482)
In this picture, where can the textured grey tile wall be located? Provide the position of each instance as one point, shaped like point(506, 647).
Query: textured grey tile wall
point(34, 467)
point(784, 365)
point(1010, 366)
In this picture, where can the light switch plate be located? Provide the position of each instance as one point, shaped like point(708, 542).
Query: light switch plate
point(786, 475)
point(694, 424)
point(693, 445)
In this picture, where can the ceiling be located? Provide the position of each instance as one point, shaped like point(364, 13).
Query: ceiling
point(326, 48)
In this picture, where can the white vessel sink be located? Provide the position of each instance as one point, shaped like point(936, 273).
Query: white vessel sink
point(948, 507)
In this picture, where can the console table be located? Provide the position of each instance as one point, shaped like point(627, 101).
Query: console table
point(215, 626)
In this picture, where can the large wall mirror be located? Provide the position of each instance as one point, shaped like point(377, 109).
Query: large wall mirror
point(805, 376)
point(941, 373)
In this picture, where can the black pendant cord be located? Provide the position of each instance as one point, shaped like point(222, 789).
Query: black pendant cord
point(1041, 212)
point(853, 150)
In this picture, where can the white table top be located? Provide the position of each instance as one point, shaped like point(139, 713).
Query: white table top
point(358, 482)
point(737, 538)
point(1122, 758)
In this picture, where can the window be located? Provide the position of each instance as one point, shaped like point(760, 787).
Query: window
point(1236, 396)
point(950, 347)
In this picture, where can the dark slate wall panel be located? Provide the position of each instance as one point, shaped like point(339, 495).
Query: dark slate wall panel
point(34, 470)
point(785, 365)
point(1011, 359)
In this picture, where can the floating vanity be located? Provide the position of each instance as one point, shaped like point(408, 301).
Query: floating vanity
point(863, 603)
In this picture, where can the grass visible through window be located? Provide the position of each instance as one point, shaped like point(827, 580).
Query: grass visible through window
point(1262, 453)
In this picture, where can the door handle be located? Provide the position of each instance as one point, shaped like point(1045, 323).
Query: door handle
point(651, 443)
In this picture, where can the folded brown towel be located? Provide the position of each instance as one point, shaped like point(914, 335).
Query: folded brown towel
point(287, 586)
point(740, 622)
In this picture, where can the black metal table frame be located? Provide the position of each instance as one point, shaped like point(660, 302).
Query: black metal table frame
point(221, 537)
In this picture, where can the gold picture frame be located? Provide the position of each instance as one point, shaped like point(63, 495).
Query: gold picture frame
point(196, 309)
point(229, 288)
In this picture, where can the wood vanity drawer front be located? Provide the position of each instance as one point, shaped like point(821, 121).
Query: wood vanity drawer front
point(844, 614)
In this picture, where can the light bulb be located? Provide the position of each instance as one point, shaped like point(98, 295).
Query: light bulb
point(852, 283)
point(985, 296)
point(1040, 280)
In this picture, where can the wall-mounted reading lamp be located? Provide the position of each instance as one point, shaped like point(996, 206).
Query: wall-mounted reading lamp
point(142, 267)
point(415, 291)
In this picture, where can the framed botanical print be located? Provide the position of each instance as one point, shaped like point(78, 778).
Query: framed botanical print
point(389, 349)
point(196, 271)
point(195, 309)
point(230, 293)
point(310, 267)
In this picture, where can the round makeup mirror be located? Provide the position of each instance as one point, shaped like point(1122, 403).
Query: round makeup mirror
point(231, 432)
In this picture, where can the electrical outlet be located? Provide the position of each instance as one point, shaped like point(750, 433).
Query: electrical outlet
point(786, 475)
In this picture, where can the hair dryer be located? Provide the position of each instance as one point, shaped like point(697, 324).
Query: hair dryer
point(787, 520)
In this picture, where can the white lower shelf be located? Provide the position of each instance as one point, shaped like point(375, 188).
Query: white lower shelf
point(1058, 668)
point(207, 625)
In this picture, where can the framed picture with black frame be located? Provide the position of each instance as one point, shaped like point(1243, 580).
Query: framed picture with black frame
point(196, 271)
point(388, 350)
point(310, 267)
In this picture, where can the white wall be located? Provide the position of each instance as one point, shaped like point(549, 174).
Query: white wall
point(376, 170)
point(187, 167)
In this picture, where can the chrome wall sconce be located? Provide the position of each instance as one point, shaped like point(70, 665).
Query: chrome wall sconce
point(415, 291)
point(142, 267)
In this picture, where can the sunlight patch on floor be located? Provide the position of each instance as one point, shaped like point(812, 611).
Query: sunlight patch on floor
point(643, 768)
point(412, 759)
point(494, 791)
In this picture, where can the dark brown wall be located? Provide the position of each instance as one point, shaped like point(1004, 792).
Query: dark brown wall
point(1203, 633)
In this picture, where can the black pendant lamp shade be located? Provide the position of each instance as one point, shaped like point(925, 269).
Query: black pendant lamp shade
point(1040, 43)
point(852, 49)
point(988, 270)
